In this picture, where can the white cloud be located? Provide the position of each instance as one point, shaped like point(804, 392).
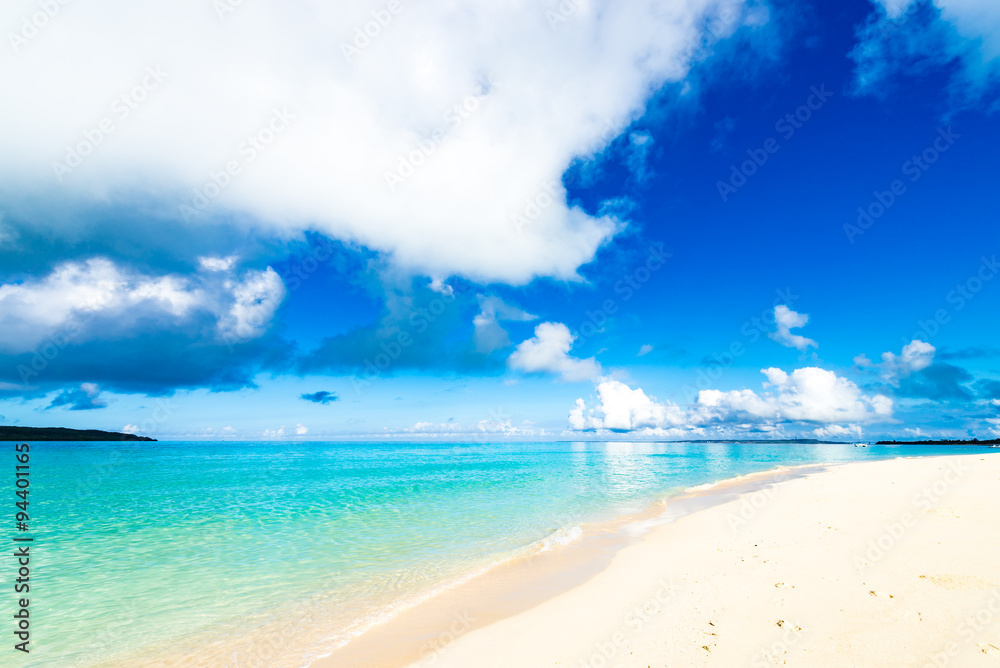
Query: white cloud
point(494, 120)
point(255, 299)
point(809, 395)
point(915, 35)
point(644, 349)
point(489, 335)
point(68, 299)
point(785, 320)
point(916, 355)
point(548, 351)
point(817, 395)
point(838, 431)
point(217, 263)
point(301, 429)
point(623, 409)
point(438, 285)
point(274, 433)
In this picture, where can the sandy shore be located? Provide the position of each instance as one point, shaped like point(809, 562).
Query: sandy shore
point(893, 563)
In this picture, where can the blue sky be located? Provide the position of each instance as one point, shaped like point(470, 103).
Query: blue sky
point(717, 220)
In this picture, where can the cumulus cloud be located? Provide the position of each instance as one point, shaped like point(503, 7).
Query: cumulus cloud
point(785, 320)
point(301, 430)
point(919, 36)
point(620, 408)
point(254, 300)
point(366, 139)
point(321, 397)
point(644, 349)
point(915, 356)
point(489, 334)
point(137, 331)
point(548, 352)
point(274, 433)
point(838, 431)
point(812, 394)
point(217, 263)
point(87, 397)
point(68, 301)
point(809, 395)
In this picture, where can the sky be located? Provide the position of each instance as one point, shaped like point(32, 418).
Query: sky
point(533, 221)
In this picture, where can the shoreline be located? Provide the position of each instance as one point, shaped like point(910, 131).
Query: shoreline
point(521, 581)
point(472, 621)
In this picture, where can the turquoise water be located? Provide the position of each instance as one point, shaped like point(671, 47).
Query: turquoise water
point(268, 553)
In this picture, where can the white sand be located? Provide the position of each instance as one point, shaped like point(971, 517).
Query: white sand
point(893, 563)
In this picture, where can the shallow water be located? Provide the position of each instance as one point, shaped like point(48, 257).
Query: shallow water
point(198, 551)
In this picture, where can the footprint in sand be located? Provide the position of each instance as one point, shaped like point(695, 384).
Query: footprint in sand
point(880, 594)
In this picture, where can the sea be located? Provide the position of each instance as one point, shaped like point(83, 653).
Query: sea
point(276, 553)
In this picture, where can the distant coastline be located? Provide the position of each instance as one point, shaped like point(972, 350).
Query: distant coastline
point(768, 441)
point(64, 434)
point(975, 441)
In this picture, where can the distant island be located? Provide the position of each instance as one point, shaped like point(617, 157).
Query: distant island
point(975, 441)
point(63, 434)
point(793, 441)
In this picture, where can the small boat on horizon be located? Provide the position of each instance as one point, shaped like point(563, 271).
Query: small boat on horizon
point(860, 445)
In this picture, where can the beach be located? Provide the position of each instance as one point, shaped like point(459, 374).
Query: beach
point(358, 554)
point(874, 563)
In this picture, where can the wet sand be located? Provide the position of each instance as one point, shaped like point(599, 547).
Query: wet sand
point(893, 563)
